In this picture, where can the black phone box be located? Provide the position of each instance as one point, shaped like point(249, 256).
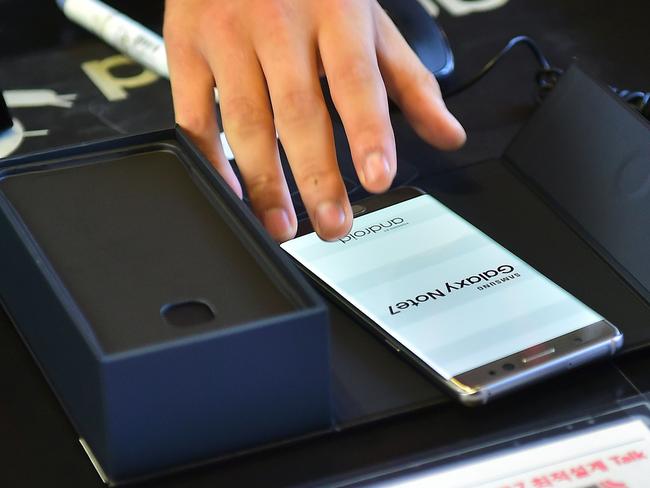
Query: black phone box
point(585, 153)
point(170, 327)
point(571, 196)
point(592, 165)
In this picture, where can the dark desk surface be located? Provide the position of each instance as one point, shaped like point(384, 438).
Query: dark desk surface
point(38, 446)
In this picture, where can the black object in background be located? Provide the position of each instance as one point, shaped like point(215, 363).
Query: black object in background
point(591, 161)
point(423, 34)
point(589, 154)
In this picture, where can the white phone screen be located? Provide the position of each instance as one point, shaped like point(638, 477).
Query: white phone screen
point(447, 292)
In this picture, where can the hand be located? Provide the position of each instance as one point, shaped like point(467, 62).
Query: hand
point(265, 57)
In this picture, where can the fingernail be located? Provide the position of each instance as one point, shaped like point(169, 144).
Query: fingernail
point(276, 222)
point(329, 216)
point(375, 168)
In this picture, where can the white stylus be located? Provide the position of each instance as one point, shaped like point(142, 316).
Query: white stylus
point(123, 33)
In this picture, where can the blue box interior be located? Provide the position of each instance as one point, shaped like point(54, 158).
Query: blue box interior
point(98, 242)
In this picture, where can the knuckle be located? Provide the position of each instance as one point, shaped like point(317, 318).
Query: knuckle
point(212, 23)
point(261, 184)
point(243, 115)
point(295, 107)
point(277, 13)
point(370, 137)
point(195, 124)
point(341, 7)
point(176, 37)
point(279, 21)
point(428, 80)
point(177, 23)
point(357, 74)
point(221, 20)
point(369, 130)
point(417, 92)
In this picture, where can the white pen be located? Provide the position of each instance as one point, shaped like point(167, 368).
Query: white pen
point(127, 36)
point(121, 32)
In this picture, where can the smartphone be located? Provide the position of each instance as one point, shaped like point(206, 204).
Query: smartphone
point(465, 310)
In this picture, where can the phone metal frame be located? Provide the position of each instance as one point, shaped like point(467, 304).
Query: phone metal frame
point(479, 385)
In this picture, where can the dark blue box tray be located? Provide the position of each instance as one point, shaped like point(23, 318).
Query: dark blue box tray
point(170, 327)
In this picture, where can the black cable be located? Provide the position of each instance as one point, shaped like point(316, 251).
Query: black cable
point(547, 76)
point(545, 65)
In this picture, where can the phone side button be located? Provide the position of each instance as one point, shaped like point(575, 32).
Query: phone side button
point(393, 346)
